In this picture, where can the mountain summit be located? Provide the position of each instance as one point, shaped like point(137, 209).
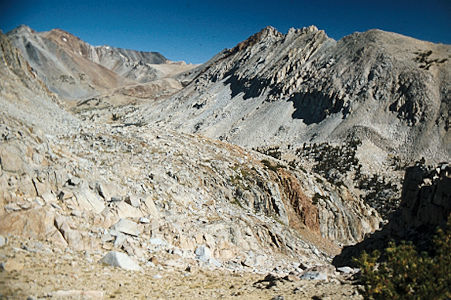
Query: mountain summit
point(383, 88)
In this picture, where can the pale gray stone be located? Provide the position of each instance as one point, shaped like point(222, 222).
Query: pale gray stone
point(126, 226)
point(103, 192)
point(158, 242)
point(144, 220)
point(314, 275)
point(121, 260)
point(76, 213)
point(107, 237)
point(10, 158)
point(120, 240)
point(74, 181)
point(48, 197)
point(55, 206)
point(87, 200)
point(133, 201)
point(12, 207)
point(203, 253)
point(214, 262)
point(346, 270)
point(150, 208)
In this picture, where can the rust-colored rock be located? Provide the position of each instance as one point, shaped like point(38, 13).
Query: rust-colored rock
point(306, 212)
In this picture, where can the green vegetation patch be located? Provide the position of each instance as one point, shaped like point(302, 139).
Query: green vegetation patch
point(404, 273)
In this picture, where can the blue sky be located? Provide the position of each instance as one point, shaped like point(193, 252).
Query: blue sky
point(194, 31)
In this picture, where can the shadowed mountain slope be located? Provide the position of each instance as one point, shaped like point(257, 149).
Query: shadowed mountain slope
point(388, 90)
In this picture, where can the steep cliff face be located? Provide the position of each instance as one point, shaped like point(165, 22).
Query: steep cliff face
point(25, 99)
point(14, 65)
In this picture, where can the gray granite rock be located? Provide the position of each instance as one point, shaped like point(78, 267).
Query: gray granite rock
point(346, 270)
point(126, 226)
point(121, 260)
point(203, 253)
point(144, 220)
point(314, 275)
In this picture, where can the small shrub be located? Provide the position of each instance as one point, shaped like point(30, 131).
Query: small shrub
point(270, 151)
point(236, 202)
point(268, 165)
point(406, 274)
point(115, 117)
point(316, 198)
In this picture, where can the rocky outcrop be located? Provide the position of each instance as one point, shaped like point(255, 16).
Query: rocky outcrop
point(34, 223)
point(305, 212)
point(426, 196)
point(425, 206)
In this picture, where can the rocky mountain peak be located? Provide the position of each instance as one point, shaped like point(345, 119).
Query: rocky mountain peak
point(311, 28)
point(21, 29)
point(59, 31)
point(271, 33)
point(67, 41)
point(268, 32)
point(61, 34)
point(324, 86)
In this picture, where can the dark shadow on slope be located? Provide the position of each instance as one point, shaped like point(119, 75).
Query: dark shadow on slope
point(251, 88)
point(310, 106)
point(425, 204)
point(313, 107)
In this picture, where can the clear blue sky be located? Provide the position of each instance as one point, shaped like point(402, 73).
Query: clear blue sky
point(194, 31)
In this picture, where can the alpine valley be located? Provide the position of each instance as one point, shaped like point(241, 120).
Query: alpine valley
point(256, 175)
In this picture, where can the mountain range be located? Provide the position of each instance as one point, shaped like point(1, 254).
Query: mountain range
point(74, 69)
